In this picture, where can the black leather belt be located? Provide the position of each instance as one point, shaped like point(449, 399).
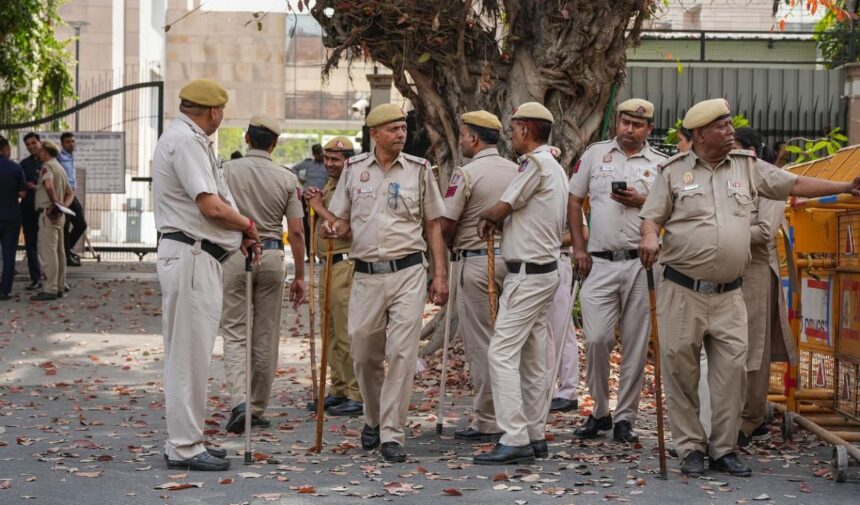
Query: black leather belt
point(704, 287)
point(469, 253)
point(337, 258)
point(531, 268)
point(624, 255)
point(387, 267)
point(216, 251)
point(273, 244)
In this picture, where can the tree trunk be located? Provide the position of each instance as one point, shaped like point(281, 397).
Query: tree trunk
point(437, 334)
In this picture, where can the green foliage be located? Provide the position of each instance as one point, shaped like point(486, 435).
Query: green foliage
point(33, 64)
point(812, 149)
point(296, 148)
point(834, 37)
point(673, 135)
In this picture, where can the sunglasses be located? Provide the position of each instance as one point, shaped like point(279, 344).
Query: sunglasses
point(393, 193)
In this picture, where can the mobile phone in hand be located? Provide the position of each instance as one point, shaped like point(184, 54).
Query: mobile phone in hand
point(617, 186)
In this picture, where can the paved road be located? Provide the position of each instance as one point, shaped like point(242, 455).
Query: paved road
point(81, 421)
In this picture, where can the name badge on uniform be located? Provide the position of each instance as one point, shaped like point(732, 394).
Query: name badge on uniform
point(690, 187)
point(363, 191)
point(607, 168)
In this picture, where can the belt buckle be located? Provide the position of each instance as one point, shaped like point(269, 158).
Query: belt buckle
point(620, 255)
point(708, 288)
point(381, 267)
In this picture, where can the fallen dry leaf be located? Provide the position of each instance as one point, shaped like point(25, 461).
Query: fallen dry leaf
point(307, 489)
point(176, 486)
point(452, 491)
point(268, 496)
point(91, 475)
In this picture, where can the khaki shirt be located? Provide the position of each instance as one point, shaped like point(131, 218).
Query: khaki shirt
point(183, 167)
point(538, 195)
point(706, 211)
point(339, 245)
point(473, 188)
point(614, 227)
point(53, 171)
point(264, 191)
point(383, 208)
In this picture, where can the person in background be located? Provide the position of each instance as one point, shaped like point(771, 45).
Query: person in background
point(53, 190)
point(312, 174)
point(13, 187)
point(685, 140)
point(781, 155)
point(75, 225)
point(32, 166)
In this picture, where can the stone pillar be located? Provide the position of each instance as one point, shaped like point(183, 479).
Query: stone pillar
point(380, 88)
point(851, 73)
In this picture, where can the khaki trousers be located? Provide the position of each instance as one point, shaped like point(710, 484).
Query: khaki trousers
point(53, 253)
point(191, 309)
point(473, 310)
point(517, 356)
point(343, 382)
point(395, 300)
point(564, 334)
point(758, 381)
point(687, 321)
point(615, 294)
point(267, 290)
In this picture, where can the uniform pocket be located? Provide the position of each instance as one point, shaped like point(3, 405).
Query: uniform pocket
point(740, 201)
point(600, 181)
point(409, 204)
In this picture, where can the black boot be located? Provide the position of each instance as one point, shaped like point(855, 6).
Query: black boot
point(593, 426)
point(506, 455)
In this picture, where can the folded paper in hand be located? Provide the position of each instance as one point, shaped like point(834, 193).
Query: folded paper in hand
point(64, 209)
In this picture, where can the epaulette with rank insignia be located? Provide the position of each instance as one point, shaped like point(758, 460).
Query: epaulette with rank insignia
point(357, 158)
point(676, 157)
point(416, 159)
point(743, 152)
point(657, 152)
point(290, 170)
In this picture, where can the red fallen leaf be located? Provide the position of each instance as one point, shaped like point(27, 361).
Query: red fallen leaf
point(24, 441)
point(225, 480)
point(5, 484)
point(259, 456)
point(500, 476)
point(105, 457)
point(85, 444)
point(821, 472)
point(211, 432)
point(421, 469)
point(452, 491)
point(307, 489)
point(805, 488)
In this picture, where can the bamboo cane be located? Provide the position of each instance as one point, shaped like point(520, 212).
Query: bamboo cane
point(658, 381)
point(449, 307)
point(312, 305)
point(491, 278)
point(326, 328)
point(249, 320)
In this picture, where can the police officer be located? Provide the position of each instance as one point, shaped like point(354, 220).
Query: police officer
point(533, 211)
point(616, 294)
point(387, 199)
point(472, 189)
point(200, 228)
point(53, 189)
point(344, 398)
point(702, 199)
point(267, 193)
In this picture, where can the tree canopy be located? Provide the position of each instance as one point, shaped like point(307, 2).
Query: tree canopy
point(34, 74)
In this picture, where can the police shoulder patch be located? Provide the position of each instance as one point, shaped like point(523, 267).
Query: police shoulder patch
point(357, 158)
point(416, 159)
point(742, 152)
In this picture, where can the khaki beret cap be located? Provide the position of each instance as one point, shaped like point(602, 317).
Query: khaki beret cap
point(706, 112)
point(533, 110)
point(385, 113)
point(637, 107)
point(205, 92)
point(264, 121)
point(51, 147)
point(339, 144)
point(482, 119)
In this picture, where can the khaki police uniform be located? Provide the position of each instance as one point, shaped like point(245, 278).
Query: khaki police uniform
point(769, 333)
point(615, 293)
point(385, 211)
point(343, 381)
point(183, 167)
point(265, 192)
point(472, 189)
point(51, 248)
point(705, 214)
point(517, 353)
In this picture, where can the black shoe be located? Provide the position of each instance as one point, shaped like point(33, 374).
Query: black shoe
point(213, 451)
point(203, 462)
point(476, 436)
point(694, 464)
point(593, 426)
point(743, 439)
point(72, 261)
point(622, 432)
point(760, 434)
point(350, 408)
point(506, 455)
point(259, 422)
point(329, 402)
point(369, 438)
point(67, 287)
point(732, 464)
point(393, 452)
point(563, 405)
point(540, 448)
point(34, 286)
point(4, 297)
point(59, 294)
point(43, 296)
point(236, 423)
